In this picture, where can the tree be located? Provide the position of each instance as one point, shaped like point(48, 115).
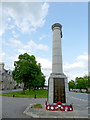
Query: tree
point(86, 79)
point(81, 82)
point(71, 84)
point(28, 71)
point(89, 82)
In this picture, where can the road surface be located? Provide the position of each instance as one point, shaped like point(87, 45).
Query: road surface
point(7, 91)
point(14, 107)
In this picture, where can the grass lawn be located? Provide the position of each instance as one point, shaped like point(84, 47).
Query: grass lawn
point(39, 94)
point(36, 106)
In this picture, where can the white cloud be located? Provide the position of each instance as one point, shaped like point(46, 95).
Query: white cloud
point(71, 75)
point(26, 16)
point(75, 65)
point(28, 47)
point(8, 60)
point(15, 35)
point(42, 47)
point(14, 43)
point(78, 68)
point(32, 46)
point(2, 56)
point(2, 27)
point(81, 62)
point(45, 63)
point(83, 57)
point(42, 37)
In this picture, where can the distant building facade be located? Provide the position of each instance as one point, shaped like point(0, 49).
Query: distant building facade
point(6, 80)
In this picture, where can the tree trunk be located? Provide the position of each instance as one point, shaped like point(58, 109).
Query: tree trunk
point(29, 89)
point(86, 89)
point(69, 89)
point(80, 90)
point(24, 90)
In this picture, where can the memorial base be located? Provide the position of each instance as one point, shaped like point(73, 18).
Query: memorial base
point(58, 88)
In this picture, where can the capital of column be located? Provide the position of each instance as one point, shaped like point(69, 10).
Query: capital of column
point(56, 25)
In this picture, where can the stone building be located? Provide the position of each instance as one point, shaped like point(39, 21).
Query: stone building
point(6, 80)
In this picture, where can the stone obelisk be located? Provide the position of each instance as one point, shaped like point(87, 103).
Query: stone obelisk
point(58, 86)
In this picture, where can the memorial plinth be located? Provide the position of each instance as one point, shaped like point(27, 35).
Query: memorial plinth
point(58, 86)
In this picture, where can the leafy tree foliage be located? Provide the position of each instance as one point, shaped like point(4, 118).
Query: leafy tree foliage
point(89, 81)
point(28, 71)
point(71, 84)
point(79, 83)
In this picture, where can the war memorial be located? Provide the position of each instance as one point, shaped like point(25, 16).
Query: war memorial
point(58, 84)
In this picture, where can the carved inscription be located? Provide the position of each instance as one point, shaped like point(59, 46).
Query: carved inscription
point(59, 90)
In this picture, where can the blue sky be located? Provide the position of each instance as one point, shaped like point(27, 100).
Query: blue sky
point(26, 27)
